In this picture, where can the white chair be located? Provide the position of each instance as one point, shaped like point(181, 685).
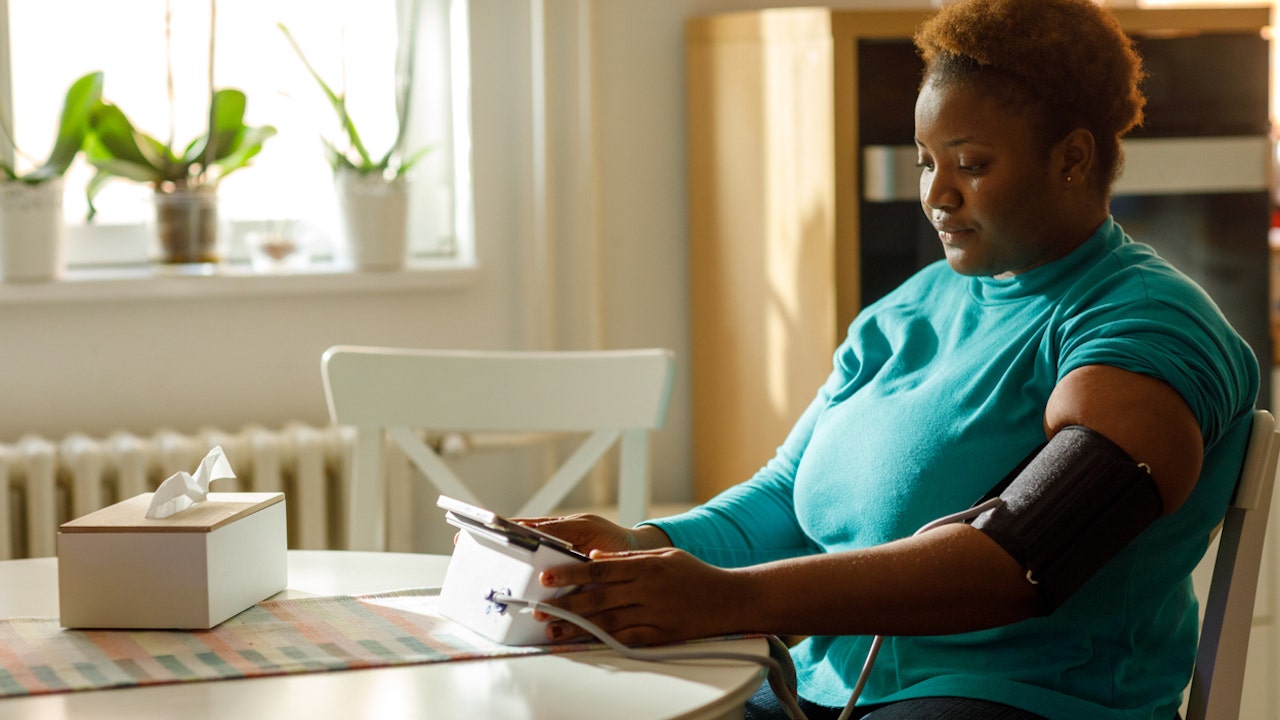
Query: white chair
point(616, 396)
point(1218, 679)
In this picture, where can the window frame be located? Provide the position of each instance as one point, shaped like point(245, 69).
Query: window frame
point(106, 252)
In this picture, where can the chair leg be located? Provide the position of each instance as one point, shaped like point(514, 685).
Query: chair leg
point(366, 496)
point(633, 478)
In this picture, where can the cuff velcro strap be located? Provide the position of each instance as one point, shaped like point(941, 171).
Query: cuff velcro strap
point(1069, 508)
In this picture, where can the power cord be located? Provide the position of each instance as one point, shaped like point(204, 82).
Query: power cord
point(777, 674)
point(878, 640)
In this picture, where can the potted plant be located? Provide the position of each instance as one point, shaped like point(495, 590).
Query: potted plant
point(32, 231)
point(186, 181)
point(372, 192)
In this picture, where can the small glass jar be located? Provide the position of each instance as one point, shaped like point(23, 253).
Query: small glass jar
point(186, 226)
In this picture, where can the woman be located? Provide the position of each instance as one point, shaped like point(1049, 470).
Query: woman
point(1044, 316)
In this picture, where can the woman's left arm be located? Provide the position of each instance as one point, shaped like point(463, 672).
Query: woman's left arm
point(948, 580)
point(1141, 414)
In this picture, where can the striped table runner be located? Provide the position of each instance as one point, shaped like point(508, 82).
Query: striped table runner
point(272, 638)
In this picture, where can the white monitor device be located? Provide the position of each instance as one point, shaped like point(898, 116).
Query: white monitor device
point(495, 555)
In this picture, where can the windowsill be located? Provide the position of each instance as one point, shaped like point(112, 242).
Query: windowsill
point(145, 282)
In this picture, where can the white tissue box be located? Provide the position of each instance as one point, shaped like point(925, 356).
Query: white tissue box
point(191, 570)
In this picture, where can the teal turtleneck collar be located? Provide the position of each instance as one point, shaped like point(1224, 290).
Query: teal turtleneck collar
point(1053, 277)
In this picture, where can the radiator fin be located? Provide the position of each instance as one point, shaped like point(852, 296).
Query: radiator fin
point(44, 483)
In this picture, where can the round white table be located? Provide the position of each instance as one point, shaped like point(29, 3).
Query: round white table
point(595, 684)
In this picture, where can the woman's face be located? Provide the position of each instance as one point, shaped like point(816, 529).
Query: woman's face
point(985, 184)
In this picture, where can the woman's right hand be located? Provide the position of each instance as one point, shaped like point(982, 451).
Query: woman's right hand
point(592, 532)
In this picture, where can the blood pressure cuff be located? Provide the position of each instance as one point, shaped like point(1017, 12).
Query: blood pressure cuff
point(1069, 507)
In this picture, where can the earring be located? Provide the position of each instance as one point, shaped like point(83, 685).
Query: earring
point(1068, 179)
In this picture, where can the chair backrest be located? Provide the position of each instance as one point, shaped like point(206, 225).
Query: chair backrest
point(617, 396)
point(1218, 680)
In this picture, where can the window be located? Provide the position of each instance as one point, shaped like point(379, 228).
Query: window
point(351, 43)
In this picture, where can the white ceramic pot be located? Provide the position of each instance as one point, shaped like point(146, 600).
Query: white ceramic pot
point(374, 214)
point(32, 232)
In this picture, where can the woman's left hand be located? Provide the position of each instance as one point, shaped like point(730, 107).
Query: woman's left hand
point(646, 597)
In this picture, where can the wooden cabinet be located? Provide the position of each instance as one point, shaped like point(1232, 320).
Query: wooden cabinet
point(762, 222)
point(774, 268)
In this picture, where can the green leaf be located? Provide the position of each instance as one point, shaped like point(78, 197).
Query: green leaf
point(92, 189)
point(413, 159)
point(77, 111)
point(226, 125)
point(117, 140)
point(108, 163)
point(248, 145)
point(192, 153)
point(337, 159)
point(130, 171)
point(117, 149)
point(338, 102)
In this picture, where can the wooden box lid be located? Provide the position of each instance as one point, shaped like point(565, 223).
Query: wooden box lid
point(130, 515)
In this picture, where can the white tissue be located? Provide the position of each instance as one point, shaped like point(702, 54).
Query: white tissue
point(182, 490)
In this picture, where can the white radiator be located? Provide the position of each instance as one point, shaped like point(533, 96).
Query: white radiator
point(45, 482)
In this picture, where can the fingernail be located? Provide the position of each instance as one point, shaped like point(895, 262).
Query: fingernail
point(547, 578)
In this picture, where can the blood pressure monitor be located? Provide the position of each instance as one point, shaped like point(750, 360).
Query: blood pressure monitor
point(496, 556)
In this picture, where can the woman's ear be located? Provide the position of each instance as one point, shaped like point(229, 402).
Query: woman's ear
point(1075, 156)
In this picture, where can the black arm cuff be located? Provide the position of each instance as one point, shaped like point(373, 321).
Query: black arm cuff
point(1069, 508)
